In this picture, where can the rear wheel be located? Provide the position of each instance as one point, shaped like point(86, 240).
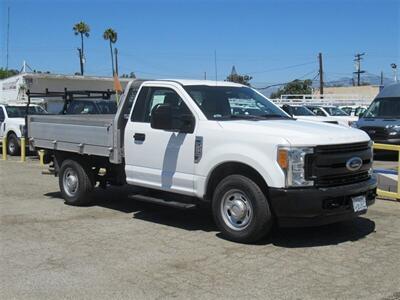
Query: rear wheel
point(13, 147)
point(241, 210)
point(76, 183)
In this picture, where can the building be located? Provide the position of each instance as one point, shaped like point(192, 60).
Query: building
point(13, 89)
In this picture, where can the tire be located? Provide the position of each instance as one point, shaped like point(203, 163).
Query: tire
point(76, 183)
point(241, 210)
point(13, 147)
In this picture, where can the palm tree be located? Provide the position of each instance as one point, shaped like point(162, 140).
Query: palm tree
point(111, 35)
point(81, 29)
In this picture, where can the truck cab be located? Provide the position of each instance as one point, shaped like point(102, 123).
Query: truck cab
point(12, 124)
point(254, 167)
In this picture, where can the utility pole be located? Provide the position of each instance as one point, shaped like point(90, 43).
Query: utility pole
point(116, 60)
point(215, 65)
point(357, 60)
point(321, 75)
point(381, 78)
point(80, 59)
point(205, 75)
point(8, 38)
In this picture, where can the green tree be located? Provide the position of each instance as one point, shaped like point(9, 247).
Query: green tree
point(7, 73)
point(295, 87)
point(111, 35)
point(237, 78)
point(81, 29)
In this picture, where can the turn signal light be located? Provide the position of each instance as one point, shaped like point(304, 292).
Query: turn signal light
point(283, 160)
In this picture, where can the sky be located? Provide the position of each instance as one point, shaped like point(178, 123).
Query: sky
point(272, 41)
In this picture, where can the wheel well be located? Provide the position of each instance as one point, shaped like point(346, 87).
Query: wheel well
point(230, 168)
point(10, 133)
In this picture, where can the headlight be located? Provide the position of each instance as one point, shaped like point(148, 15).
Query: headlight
point(393, 129)
point(292, 162)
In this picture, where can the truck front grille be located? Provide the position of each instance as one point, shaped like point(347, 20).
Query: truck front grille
point(327, 166)
point(376, 133)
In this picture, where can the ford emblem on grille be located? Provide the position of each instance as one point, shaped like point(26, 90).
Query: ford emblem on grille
point(354, 164)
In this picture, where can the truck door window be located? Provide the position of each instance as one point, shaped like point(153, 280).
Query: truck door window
point(150, 97)
point(166, 96)
point(138, 113)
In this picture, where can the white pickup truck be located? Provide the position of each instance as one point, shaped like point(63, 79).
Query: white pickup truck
point(182, 136)
point(12, 124)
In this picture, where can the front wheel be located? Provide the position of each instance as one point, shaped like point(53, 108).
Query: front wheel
point(13, 147)
point(76, 183)
point(241, 210)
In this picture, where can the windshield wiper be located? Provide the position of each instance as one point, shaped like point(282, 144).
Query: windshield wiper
point(253, 117)
point(275, 116)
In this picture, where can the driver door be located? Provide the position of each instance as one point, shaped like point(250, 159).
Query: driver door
point(158, 158)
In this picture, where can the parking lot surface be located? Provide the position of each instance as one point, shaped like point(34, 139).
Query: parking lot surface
point(122, 248)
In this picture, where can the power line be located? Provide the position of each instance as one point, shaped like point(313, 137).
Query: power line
point(282, 68)
point(284, 83)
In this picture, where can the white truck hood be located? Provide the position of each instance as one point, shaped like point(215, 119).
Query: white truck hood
point(298, 133)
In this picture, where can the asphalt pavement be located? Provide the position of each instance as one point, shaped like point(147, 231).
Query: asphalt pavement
point(124, 248)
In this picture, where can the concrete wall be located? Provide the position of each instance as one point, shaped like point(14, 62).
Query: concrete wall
point(367, 92)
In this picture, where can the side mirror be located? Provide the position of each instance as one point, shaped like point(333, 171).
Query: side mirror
point(161, 117)
point(361, 114)
point(186, 123)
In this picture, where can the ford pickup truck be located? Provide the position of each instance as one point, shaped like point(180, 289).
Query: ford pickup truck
point(255, 169)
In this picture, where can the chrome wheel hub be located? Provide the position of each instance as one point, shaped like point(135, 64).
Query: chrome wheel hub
point(236, 210)
point(70, 182)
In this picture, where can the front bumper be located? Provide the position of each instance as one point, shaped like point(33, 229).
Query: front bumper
point(319, 206)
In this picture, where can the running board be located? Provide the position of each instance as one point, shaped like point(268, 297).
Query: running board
point(169, 203)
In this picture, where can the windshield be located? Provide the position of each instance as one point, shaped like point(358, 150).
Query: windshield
point(301, 111)
point(224, 103)
point(335, 111)
point(359, 110)
point(20, 111)
point(384, 108)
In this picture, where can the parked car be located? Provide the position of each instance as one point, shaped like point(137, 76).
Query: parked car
point(91, 107)
point(382, 119)
point(12, 124)
point(334, 112)
point(301, 112)
point(354, 110)
point(182, 137)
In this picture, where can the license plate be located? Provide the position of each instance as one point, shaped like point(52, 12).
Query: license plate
point(359, 203)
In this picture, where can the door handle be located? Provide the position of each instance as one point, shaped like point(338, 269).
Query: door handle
point(140, 137)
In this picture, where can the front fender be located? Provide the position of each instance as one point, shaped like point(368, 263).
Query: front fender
point(262, 160)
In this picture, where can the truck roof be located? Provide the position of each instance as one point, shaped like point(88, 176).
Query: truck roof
point(186, 82)
point(389, 91)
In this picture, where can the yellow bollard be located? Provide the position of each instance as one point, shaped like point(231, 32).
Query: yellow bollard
point(41, 157)
point(4, 148)
point(23, 149)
